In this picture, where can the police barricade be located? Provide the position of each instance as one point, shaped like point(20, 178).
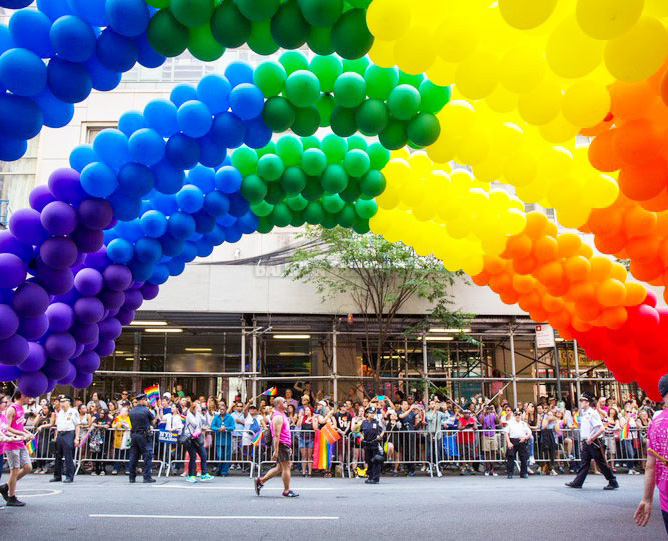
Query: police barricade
point(626, 449)
point(43, 449)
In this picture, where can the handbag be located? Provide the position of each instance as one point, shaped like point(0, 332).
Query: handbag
point(185, 434)
point(126, 442)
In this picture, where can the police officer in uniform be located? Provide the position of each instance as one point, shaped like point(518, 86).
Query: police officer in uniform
point(67, 437)
point(591, 429)
point(517, 434)
point(372, 442)
point(141, 420)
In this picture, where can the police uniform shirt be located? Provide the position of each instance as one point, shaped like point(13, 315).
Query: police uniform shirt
point(517, 430)
point(141, 418)
point(590, 423)
point(371, 430)
point(66, 421)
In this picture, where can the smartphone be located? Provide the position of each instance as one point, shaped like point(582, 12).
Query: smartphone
point(380, 397)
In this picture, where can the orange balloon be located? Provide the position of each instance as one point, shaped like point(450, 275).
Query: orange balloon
point(611, 292)
point(637, 141)
point(481, 279)
point(552, 304)
point(500, 282)
point(536, 225)
point(643, 248)
point(526, 265)
point(635, 293)
point(601, 267)
point(545, 249)
point(509, 297)
point(560, 319)
point(599, 129)
point(551, 230)
point(538, 315)
point(529, 301)
point(664, 88)
point(646, 270)
point(639, 222)
point(587, 310)
point(559, 289)
point(644, 181)
point(619, 272)
point(658, 203)
point(518, 246)
point(523, 283)
point(630, 100)
point(582, 292)
point(568, 244)
point(586, 251)
point(581, 326)
point(614, 318)
point(494, 264)
point(609, 244)
point(550, 273)
point(602, 154)
point(605, 221)
point(577, 268)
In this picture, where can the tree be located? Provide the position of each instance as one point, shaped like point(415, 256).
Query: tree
point(380, 277)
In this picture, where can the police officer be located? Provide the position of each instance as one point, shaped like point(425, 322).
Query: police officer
point(517, 434)
point(591, 429)
point(67, 437)
point(372, 442)
point(141, 421)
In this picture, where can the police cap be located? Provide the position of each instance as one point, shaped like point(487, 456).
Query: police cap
point(141, 397)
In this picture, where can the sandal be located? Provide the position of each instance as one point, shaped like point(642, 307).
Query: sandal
point(290, 494)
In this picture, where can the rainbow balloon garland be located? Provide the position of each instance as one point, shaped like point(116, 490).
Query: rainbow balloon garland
point(189, 173)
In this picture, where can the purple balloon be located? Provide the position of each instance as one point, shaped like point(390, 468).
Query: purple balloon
point(33, 328)
point(125, 316)
point(59, 252)
point(93, 345)
point(32, 384)
point(26, 226)
point(113, 300)
point(9, 321)
point(61, 317)
point(10, 244)
point(59, 218)
point(105, 348)
point(85, 333)
point(66, 185)
point(98, 260)
point(60, 346)
point(36, 358)
point(87, 363)
point(88, 282)
point(55, 281)
point(95, 213)
point(30, 300)
point(117, 277)
point(12, 271)
point(13, 350)
point(78, 351)
point(110, 329)
point(149, 291)
point(69, 378)
point(89, 310)
point(40, 197)
point(88, 240)
point(133, 299)
point(9, 373)
point(54, 369)
point(82, 381)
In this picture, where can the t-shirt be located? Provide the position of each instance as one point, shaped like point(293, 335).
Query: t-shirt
point(3, 430)
point(238, 416)
point(408, 422)
point(18, 423)
point(251, 427)
point(343, 421)
point(658, 442)
point(466, 434)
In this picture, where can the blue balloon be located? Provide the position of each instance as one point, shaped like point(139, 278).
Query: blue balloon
point(68, 81)
point(154, 223)
point(232, 234)
point(190, 199)
point(171, 247)
point(131, 122)
point(9, 373)
point(216, 203)
point(146, 56)
point(176, 266)
point(15, 4)
point(57, 114)
point(140, 271)
point(182, 151)
point(125, 208)
point(98, 179)
point(12, 149)
point(181, 225)
point(22, 72)
point(194, 118)
point(30, 30)
point(54, 9)
point(248, 223)
point(130, 231)
point(246, 101)
point(257, 133)
point(103, 79)
point(202, 177)
point(228, 179)
point(164, 203)
point(238, 73)
point(91, 11)
point(228, 130)
point(216, 237)
point(73, 38)
point(189, 252)
point(127, 17)
point(6, 40)
point(135, 180)
point(214, 91)
point(120, 251)
point(81, 156)
point(20, 117)
point(147, 146)
point(160, 275)
point(238, 205)
point(211, 154)
point(116, 52)
point(168, 179)
point(204, 222)
point(204, 248)
point(111, 145)
point(161, 116)
point(182, 93)
point(148, 250)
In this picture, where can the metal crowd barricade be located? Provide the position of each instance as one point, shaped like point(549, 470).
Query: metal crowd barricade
point(409, 448)
point(45, 448)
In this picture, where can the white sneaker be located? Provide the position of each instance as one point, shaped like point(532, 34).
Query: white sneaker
point(103, 472)
point(486, 474)
point(495, 474)
point(532, 461)
point(552, 472)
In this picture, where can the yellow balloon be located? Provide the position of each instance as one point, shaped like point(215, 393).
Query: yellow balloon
point(491, 169)
point(445, 147)
point(459, 116)
point(460, 228)
point(573, 216)
point(556, 163)
point(420, 164)
point(639, 53)
point(389, 19)
point(380, 222)
point(441, 73)
point(502, 100)
point(457, 37)
point(523, 67)
point(474, 147)
point(400, 154)
point(473, 264)
point(658, 8)
point(514, 221)
point(521, 167)
point(585, 103)
point(558, 130)
point(571, 53)
point(564, 193)
point(526, 14)
point(542, 104)
point(494, 244)
point(388, 200)
point(414, 51)
point(507, 137)
point(531, 193)
point(608, 19)
point(382, 53)
point(478, 75)
point(601, 192)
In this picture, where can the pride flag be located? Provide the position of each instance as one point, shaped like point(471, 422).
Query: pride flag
point(152, 394)
point(625, 431)
point(272, 391)
point(330, 434)
point(576, 418)
point(257, 439)
point(30, 446)
point(322, 451)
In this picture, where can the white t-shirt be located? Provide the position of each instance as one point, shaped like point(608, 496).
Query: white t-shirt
point(247, 438)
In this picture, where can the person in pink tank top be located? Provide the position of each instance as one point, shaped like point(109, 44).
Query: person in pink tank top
point(16, 453)
point(281, 443)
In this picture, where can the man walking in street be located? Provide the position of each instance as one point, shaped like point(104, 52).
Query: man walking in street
point(16, 453)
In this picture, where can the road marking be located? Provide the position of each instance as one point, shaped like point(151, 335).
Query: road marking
point(250, 489)
point(216, 517)
point(43, 492)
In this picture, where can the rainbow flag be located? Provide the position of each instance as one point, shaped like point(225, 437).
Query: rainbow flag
point(257, 439)
point(625, 431)
point(183, 417)
point(84, 439)
point(330, 434)
point(576, 419)
point(272, 391)
point(322, 452)
point(153, 394)
point(30, 446)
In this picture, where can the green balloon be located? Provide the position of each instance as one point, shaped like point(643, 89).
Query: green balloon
point(278, 114)
point(366, 208)
point(281, 216)
point(297, 218)
point(288, 27)
point(290, 150)
point(321, 12)
point(260, 40)
point(361, 226)
point(352, 191)
point(346, 216)
point(307, 121)
point(192, 13)
point(325, 106)
point(313, 190)
point(359, 3)
point(253, 188)
point(350, 35)
point(275, 193)
point(270, 78)
point(293, 61)
point(203, 46)
point(358, 65)
point(424, 129)
point(166, 35)
point(269, 148)
point(372, 117)
point(262, 209)
point(228, 26)
point(258, 10)
point(433, 97)
point(356, 163)
point(373, 184)
point(343, 121)
point(265, 225)
point(320, 41)
point(326, 69)
point(395, 136)
point(350, 89)
point(378, 155)
point(310, 142)
point(357, 141)
point(380, 81)
point(293, 180)
point(270, 167)
point(158, 3)
point(404, 102)
point(334, 179)
point(314, 162)
point(245, 160)
point(328, 221)
point(334, 148)
point(296, 202)
point(413, 80)
point(314, 213)
point(333, 203)
point(302, 88)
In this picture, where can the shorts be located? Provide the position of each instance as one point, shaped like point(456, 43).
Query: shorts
point(490, 443)
point(284, 453)
point(17, 458)
point(305, 440)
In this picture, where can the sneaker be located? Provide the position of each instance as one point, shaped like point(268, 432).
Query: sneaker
point(612, 485)
point(114, 472)
point(495, 474)
point(4, 492)
point(94, 473)
point(486, 474)
point(290, 494)
point(206, 477)
point(553, 472)
point(258, 486)
point(572, 485)
point(192, 479)
point(13, 502)
point(103, 472)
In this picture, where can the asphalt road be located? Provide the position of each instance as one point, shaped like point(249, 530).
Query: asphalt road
point(468, 508)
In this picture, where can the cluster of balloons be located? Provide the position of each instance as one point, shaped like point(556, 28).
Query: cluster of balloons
point(88, 45)
point(330, 182)
point(206, 27)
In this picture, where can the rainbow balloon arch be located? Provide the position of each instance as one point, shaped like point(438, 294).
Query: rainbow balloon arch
point(190, 173)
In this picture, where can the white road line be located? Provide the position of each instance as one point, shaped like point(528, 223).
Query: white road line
point(216, 517)
point(42, 492)
point(248, 488)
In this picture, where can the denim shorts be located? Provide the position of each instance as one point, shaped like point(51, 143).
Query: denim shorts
point(17, 458)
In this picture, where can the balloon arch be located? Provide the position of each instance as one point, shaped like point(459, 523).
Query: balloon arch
point(189, 173)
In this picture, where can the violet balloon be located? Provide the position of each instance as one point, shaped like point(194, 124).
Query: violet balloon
point(40, 197)
point(81, 381)
point(61, 317)
point(54, 369)
point(13, 350)
point(149, 291)
point(110, 330)
point(33, 328)
point(117, 277)
point(9, 373)
point(88, 240)
point(113, 300)
point(85, 333)
point(95, 213)
point(69, 378)
point(36, 358)
point(89, 310)
point(12, 271)
point(9, 321)
point(55, 281)
point(10, 244)
point(58, 252)
point(88, 282)
point(133, 299)
point(32, 384)
point(65, 184)
point(125, 316)
point(60, 346)
point(26, 226)
point(87, 363)
point(59, 218)
point(30, 300)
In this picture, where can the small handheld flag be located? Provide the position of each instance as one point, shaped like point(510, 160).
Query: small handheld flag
point(257, 439)
point(152, 394)
point(272, 391)
point(30, 446)
point(84, 439)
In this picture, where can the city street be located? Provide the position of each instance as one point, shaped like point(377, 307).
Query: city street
point(398, 508)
